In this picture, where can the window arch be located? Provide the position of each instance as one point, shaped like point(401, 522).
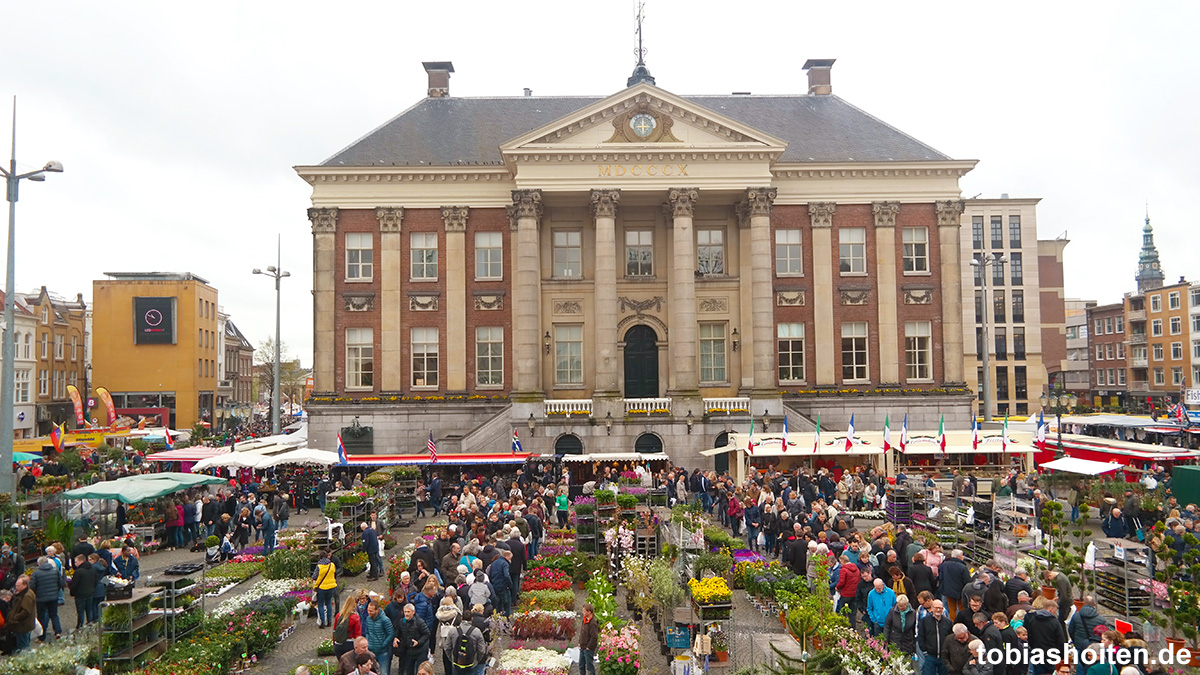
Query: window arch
point(568, 444)
point(648, 443)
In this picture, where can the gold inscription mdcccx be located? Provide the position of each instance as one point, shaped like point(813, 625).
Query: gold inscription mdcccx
point(643, 170)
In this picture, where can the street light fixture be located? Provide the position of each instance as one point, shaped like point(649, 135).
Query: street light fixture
point(1057, 403)
point(996, 260)
point(8, 384)
point(276, 272)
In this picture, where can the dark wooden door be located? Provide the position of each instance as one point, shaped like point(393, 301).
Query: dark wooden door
point(641, 363)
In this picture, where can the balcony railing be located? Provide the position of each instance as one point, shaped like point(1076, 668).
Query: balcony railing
point(1135, 315)
point(1139, 362)
point(728, 406)
point(1137, 338)
point(569, 407)
point(1139, 385)
point(647, 406)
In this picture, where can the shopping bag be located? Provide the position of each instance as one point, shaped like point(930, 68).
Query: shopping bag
point(37, 628)
point(762, 539)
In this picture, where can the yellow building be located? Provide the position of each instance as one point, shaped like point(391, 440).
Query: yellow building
point(144, 353)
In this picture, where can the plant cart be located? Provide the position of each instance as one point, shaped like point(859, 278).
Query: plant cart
point(1122, 576)
point(130, 635)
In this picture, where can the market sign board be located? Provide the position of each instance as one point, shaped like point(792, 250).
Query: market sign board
point(1191, 396)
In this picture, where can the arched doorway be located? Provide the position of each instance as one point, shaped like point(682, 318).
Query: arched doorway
point(648, 443)
point(568, 444)
point(721, 461)
point(641, 362)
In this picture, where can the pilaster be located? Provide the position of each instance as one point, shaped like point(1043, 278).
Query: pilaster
point(757, 208)
point(821, 214)
point(525, 216)
point(455, 220)
point(390, 224)
point(949, 220)
point(324, 229)
point(890, 333)
point(684, 378)
point(604, 210)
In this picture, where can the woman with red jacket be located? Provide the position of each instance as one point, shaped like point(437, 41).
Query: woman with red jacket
point(735, 514)
point(347, 625)
point(174, 523)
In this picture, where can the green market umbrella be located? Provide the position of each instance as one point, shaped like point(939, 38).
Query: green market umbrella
point(142, 488)
point(24, 457)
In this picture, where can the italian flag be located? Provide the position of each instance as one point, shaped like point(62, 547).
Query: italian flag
point(904, 435)
point(750, 442)
point(887, 433)
point(1004, 436)
point(941, 439)
point(817, 440)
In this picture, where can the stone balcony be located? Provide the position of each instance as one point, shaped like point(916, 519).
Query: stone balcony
point(568, 407)
point(1137, 339)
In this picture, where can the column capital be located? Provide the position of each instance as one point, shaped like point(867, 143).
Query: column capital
point(389, 219)
point(604, 203)
point(821, 213)
point(681, 202)
point(757, 203)
point(948, 212)
point(526, 204)
point(885, 213)
point(455, 218)
point(324, 220)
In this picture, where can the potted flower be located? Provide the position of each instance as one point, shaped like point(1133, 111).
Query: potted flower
point(605, 498)
point(720, 644)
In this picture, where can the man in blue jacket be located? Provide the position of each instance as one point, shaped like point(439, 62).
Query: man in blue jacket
point(435, 493)
point(953, 577)
point(370, 540)
point(380, 634)
point(879, 603)
point(499, 573)
point(126, 566)
point(1113, 525)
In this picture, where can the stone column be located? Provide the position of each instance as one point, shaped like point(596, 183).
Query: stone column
point(324, 228)
point(684, 380)
point(389, 366)
point(525, 215)
point(949, 220)
point(455, 219)
point(890, 332)
point(604, 209)
point(827, 335)
point(757, 208)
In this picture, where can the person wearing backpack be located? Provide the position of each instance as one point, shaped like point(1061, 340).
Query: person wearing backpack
point(479, 619)
point(467, 649)
point(448, 619)
point(347, 626)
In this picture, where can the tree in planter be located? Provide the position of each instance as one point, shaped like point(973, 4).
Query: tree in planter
point(1057, 549)
point(1182, 611)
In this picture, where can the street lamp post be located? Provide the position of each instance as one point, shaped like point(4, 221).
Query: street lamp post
point(276, 272)
point(1058, 403)
point(981, 264)
point(8, 385)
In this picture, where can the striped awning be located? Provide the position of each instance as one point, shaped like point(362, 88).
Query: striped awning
point(186, 454)
point(443, 458)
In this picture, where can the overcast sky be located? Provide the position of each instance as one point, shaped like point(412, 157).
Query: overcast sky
point(178, 123)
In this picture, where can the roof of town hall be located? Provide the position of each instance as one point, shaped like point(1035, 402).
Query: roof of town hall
point(457, 131)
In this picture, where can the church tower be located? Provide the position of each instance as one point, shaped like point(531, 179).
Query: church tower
point(1149, 275)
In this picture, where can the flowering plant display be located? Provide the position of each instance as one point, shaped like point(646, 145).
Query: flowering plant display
point(532, 662)
point(248, 557)
point(620, 538)
point(552, 550)
point(252, 553)
point(551, 600)
point(619, 650)
point(239, 571)
point(605, 497)
point(853, 654)
point(270, 588)
point(545, 579)
point(560, 533)
point(557, 646)
point(545, 625)
point(710, 591)
point(636, 491)
point(602, 597)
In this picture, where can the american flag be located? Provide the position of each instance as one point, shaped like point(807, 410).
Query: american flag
point(432, 449)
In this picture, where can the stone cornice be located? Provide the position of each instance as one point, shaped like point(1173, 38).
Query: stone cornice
point(559, 155)
point(604, 203)
point(950, 168)
point(455, 218)
point(390, 218)
point(403, 174)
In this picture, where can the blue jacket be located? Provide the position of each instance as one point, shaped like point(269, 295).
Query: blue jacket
point(499, 574)
point(370, 543)
point(753, 515)
point(1113, 527)
point(953, 577)
point(425, 608)
point(879, 604)
point(379, 633)
point(129, 570)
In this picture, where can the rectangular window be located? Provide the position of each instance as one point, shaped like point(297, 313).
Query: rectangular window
point(360, 358)
point(58, 347)
point(918, 350)
point(1173, 300)
point(425, 357)
point(916, 249)
point(489, 355)
point(998, 307)
point(489, 255)
point(791, 352)
point(1099, 352)
point(997, 232)
point(1177, 376)
point(1176, 351)
point(1022, 408)
point(1121, 377)
point(568, 254)
point(1014, 236)
point(1176, 325)
point(1159, 377)
point(852, 245)
point(1016, 269)
point(1112, 377)
point(43, 383)
point(1158, 352)
point(1100, 377)
point(45, 346)
point(1195, 293)
point(1196, 350)
point(1001, 382)
point(424, 249)
point(1019, 342)
point(710, 252)
point(854, 352)
point(997, 275)
point(977, 232)
point(1001, 344)
point(978, 306)
point(712, 353)
point(1195, 325)
point(359, 256)
point(1156, 303)
point(789, 261)
point(1156, 327)
point(979, 343)
point(1120, 324)
point(978, 269)
point(1108, 351)
point(1108, 326)
point(74, 348)
point(1018, 306)
point(21, 393)
point(1099, 327)
point(1020, 382)
point(639, 253)
point(1120, 350)
point(568, 355)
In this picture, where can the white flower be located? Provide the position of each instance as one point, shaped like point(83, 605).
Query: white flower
point(516, 659)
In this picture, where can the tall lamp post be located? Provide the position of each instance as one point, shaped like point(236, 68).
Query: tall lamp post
point(1057, 403)
point(275, 272)
point(8, 385)
point(981, 264)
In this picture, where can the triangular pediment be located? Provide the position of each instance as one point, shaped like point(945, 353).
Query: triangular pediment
point(644, 118)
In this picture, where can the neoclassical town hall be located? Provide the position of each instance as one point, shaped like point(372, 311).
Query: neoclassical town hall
point(642, 270)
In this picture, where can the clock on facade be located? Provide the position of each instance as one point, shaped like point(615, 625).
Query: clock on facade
point(153, 317)
point(643, 124)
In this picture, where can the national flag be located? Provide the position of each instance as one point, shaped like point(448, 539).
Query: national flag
point(56, 436)
point(975, 434)
point(1179, 412)
point(750, 442)
point(785, 431)
point(887, 433)
point(341, 452)
point(904, 435)
point(1041, 431)
point(941, 439)
point(432, 449)
point(817, 440)
point(168, 442)
point(1004, 436)
point(516, 444)
point(850, 433)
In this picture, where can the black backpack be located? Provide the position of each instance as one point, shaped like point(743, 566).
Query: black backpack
point(464, 648)
point(341, 630)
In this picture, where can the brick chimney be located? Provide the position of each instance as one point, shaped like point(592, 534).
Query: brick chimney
point(439, 77)
point(818, 76)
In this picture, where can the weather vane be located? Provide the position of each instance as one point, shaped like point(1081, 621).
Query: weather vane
point(640, 72)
